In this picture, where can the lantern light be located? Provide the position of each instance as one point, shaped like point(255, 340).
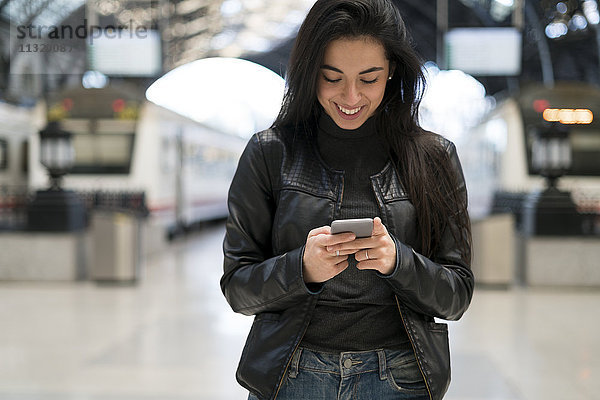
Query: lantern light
point(56, 152)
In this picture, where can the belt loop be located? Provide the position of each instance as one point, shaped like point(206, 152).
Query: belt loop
point(295, 362)
point(382, 365)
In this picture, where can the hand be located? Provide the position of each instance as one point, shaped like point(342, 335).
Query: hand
point(377, 252)
point(320, 265)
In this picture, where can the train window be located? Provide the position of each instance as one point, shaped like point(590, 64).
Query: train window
point(112, 126)
point(25, 157)
point(102, 152)
point(585, 152)
point(3, 154)
point(102, 146)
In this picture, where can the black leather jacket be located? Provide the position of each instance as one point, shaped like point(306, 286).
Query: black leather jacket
point(279, 193)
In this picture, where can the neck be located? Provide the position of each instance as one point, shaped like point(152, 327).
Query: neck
point(328, 125)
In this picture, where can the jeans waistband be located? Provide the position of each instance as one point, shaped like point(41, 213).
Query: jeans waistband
point(344, 364)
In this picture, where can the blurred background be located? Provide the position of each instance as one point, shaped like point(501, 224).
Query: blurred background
point(121, 124)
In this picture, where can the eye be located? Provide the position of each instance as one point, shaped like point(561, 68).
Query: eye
point(330, 80)
point(368, 82)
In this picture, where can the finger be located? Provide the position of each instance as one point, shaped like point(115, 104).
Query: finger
point(358, 244)
point(378, 227)
point(341, 252)
point(355, 245)
point(320, 231)
point(365, 255)
point(342, 264)
point(337, 268)
point(368, 264)
point(332, 240)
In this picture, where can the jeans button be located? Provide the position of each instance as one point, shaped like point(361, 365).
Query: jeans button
point(348, 363)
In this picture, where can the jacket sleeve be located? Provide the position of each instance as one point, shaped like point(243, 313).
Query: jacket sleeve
point(442, 286)
point(255, 280)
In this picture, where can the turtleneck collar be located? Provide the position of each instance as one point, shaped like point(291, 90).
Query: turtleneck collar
point(328, 126)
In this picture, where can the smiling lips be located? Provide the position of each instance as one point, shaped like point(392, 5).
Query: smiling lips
point(351, 113)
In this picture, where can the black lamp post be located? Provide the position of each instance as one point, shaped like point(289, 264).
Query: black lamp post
point(551, 211)
point(56, 209)
point(551, 153)
point(56, 153)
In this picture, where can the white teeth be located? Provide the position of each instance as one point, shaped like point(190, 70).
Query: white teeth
point(349, 112)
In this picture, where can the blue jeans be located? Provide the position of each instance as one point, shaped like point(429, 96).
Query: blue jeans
point(364, 375)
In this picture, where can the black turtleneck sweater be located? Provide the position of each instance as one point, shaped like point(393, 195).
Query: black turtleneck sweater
point(356, 310)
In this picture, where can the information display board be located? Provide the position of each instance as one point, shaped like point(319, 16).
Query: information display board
point(484, 51)
point(125, 53)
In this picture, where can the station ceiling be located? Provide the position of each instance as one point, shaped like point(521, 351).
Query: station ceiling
point(263, 30)
point(573, 56)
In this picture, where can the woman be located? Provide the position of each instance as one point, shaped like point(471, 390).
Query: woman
point(337, 316)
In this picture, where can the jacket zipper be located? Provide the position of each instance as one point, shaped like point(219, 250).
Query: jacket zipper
point(380, 203)
point(287, 366)
point(414, 349)
point(336, 210)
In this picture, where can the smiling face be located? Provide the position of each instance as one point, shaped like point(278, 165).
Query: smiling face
point(352, 80)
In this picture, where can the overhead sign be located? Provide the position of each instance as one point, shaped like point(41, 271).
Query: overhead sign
point(125, 53)
point(484, 51)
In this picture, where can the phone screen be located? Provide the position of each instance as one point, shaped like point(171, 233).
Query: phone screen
point(361, 227)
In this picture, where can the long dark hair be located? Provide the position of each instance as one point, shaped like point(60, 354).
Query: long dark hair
point(422, 163)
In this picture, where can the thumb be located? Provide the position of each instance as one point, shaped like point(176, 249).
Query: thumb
point(378, 227)
point(320, 231)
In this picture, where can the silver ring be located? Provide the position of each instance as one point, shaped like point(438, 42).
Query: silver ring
point(337, 252)
point(367, 253)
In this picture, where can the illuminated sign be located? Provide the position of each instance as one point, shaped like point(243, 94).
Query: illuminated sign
point(568, 115)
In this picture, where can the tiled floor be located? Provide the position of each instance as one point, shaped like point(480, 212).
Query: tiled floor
point(173, 337)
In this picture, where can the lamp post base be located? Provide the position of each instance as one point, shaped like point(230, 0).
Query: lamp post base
point(56, 211)
point(551, 212)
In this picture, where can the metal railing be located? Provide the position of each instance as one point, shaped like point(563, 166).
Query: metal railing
point(14, 201)
point(588, 207)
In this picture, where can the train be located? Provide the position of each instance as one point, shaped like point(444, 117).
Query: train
point(15, 130)
point(124, 143)
point(498, 153)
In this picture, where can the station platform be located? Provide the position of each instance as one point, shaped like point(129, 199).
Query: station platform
point(172, 336)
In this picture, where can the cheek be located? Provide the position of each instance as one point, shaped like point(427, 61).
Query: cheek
point(324, 94)
point(376, 94)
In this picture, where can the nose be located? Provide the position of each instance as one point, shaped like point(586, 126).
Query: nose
point(351, 94)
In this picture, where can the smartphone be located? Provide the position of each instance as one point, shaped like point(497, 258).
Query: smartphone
point(362, 227)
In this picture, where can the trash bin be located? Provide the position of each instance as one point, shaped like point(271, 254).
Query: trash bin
point(116, 247)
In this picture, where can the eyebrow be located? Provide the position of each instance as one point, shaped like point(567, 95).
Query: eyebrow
point(366, 71)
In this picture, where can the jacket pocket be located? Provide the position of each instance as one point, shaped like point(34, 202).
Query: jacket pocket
point(266, 317)
point(438, 333)
point(438, 327)
point(257, 327)
point(432, 351)
point(268, 348)
point(438, 351)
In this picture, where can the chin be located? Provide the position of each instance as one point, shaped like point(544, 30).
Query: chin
point(349, 125)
